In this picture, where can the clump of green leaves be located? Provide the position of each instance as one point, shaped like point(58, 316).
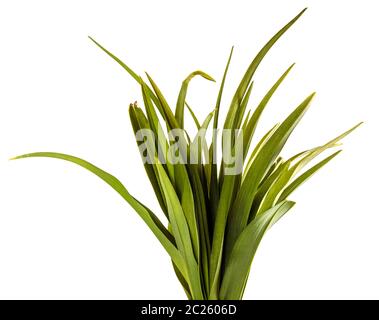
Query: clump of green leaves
point(215, 222)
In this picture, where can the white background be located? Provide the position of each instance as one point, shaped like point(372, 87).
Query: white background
point(65, 234)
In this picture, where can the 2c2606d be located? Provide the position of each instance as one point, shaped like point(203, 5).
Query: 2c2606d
point(211, 309)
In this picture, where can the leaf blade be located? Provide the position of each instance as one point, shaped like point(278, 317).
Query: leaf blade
point(146, 214)
point(179, 111)
point(238, 266)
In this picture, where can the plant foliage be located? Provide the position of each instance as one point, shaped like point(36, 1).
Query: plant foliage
point(215, 222)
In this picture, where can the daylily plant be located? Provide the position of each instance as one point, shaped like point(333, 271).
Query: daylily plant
point(214, 220)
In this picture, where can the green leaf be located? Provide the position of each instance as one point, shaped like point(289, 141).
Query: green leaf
point(273, 194)
point(201, 135)
point(243, 106)
point(134, 75)
point(199, 193)
point(169, 117)
point(305, 176)
point(197, 123)
point(155, 125)
point(181, 233)
point(146, 214)
point(253, 122)
point(179, 113)
point(182, 281)
point(183, 190)
point(238, 266)
point(139, 122)
point(258, 148)
point(241, 90)
point(226, 199)
point(214, 192)
point(240, 211)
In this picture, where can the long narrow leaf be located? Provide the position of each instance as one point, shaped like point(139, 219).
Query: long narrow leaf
point(182, 234)
point(146, 214)
point(238, 266)
point(240, 212)
point(179, 112)
point(305, 176)
point(241, 90)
